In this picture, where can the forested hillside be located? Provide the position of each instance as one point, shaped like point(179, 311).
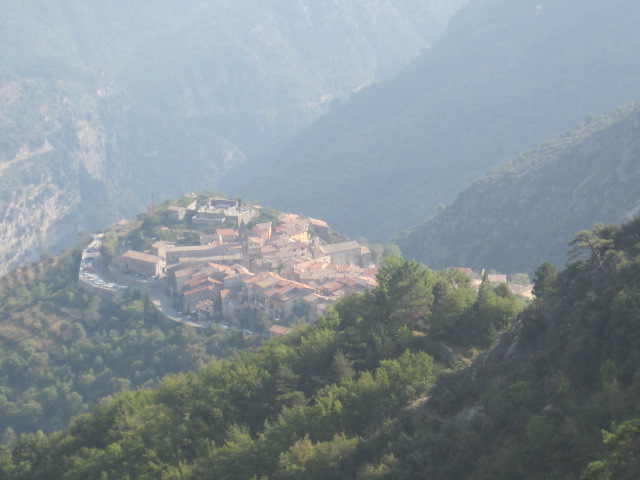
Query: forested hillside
point(105, 106)
point(505, 76)
point(526, 211)
point(543, 400)
point(298, 405)
point(373, 391)
point(62, 350)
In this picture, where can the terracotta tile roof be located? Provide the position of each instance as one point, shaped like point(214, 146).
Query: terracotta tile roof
point(318, 223)
point(466, 270)
point(294, 283)
point(262, 226)
point(195, 280)
point(287, 217)
point(285, 289)
point(332, 286)
point(262, 276)
point(312, 297)
point(219, 267)
point(198, 290)
point(290, 296)
point(185, 272)
point(279, 330)
point(343, 267)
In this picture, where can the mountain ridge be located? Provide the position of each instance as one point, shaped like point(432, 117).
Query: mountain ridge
point(526, 211)
point(504, 76)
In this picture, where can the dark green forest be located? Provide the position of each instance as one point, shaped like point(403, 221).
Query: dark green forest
point(422, 377)
point(525, 211)
point(62, 350)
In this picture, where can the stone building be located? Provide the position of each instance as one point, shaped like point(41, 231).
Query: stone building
point(346, 252)
point(176, 214)
point(262, 230)
point(141, 263)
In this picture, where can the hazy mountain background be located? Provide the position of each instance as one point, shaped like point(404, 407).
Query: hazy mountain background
point(505, 76)
point(526, 211)
point(105, 106)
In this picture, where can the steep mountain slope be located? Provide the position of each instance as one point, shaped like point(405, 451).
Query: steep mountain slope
point(106, 105)
point(354, 397)
point(535, 406)
point(505, 76)
point(525, 212)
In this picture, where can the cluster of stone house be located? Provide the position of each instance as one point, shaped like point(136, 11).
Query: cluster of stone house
point(141, 263)
point(219, 209)
point(282, 270)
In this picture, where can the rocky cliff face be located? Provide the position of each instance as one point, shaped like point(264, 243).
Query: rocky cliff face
point(526, 211)
point(36, 218)
point(77, 172)
point(41, 200)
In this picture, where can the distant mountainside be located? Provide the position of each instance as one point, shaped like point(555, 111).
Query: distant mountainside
point(505, 76)
point(526, 211)
point(105, 106)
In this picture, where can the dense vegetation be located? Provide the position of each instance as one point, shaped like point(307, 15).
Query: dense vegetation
point(347, 397)
point(505, 76)
point(299, 405)
point(589, 174)
point(536, 404)
point(61, 349)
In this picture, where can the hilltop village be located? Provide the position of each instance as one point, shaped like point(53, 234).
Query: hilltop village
point(279, 269)
point(217, 259)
